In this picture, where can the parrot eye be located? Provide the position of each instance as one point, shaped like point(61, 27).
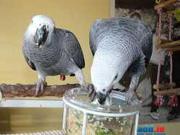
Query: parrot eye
point(115, 77)
point(103, 90)
point(47, 27)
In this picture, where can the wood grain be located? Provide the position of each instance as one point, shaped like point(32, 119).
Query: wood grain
point(21, 90)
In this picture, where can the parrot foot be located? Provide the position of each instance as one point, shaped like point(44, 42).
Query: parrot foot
point(132, 99)
point(91, 91)
point(40, 87)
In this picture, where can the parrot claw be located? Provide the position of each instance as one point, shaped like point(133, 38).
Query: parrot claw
point(92, 95)
point(91, 91)
point(40, 87)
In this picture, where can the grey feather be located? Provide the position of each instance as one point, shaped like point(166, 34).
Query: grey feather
point(62, 55)
point(52, 51)
point(31, 65)
point(119, 45)
point(73, 49)
point(126, 28)
point(57, 53)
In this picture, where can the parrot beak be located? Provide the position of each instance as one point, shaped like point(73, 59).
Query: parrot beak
point(41, 36)
point(101, 98)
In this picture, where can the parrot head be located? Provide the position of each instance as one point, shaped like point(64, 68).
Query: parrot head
point(41, 29)
point(103, 77)
point(103, 89)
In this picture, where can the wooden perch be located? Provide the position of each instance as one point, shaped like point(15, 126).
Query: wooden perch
point(164, 86)
point(20, 90)
point(177, 48)
point(170, 44)
point(164, 4)
point(175, 91)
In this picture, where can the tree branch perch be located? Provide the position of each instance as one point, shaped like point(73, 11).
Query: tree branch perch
point(21, 90)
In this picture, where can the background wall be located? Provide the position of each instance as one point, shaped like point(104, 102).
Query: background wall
point(75, 15)
point(15, 15)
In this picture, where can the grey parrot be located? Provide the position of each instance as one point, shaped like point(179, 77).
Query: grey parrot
point(119, 45)
point(52, 51)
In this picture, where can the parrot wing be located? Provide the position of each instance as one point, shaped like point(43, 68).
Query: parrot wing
point(30, 63)
point(93, 46)
point(73, 49)
point(93, 35)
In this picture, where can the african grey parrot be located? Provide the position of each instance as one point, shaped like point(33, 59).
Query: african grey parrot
point(52, 51)
point(119, 45)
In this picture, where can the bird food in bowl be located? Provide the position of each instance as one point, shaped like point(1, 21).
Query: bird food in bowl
point(83, 117)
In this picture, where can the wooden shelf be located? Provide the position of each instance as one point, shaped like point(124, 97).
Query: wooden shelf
point(164, 4)
point(175, 91)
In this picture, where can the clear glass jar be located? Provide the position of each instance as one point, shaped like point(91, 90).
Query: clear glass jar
point(82, 117)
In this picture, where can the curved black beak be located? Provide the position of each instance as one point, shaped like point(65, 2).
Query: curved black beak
point(101, 98)
point(41, 35)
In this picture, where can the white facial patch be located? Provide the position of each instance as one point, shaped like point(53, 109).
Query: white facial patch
point(41, 19)
point(38, 21)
